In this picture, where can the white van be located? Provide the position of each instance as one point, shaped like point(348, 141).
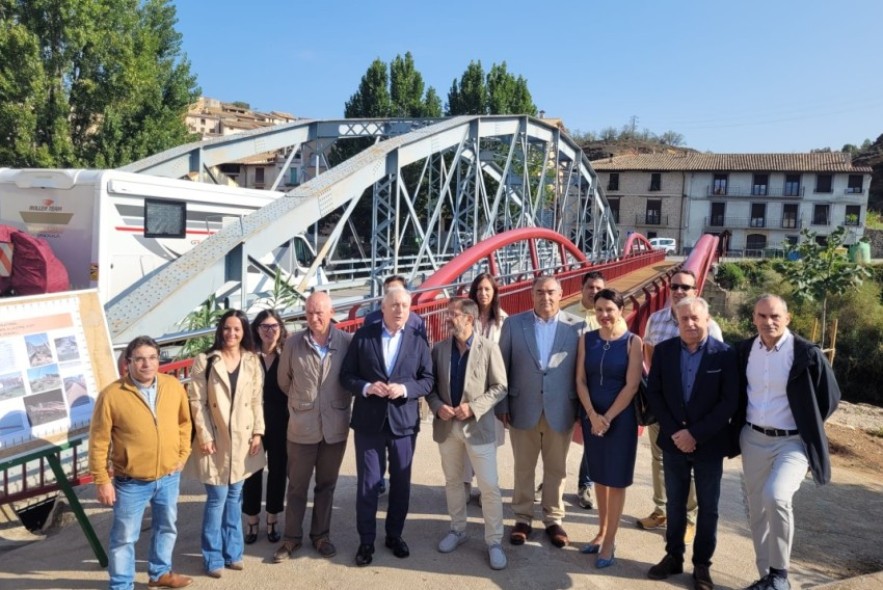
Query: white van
point(670, 245)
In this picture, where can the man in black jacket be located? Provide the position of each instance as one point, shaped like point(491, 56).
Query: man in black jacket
point(788, 391)
point(693, 390)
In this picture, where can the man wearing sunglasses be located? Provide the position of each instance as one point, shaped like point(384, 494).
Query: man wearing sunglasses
point(661, 326)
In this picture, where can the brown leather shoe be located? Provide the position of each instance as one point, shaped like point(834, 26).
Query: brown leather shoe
point(235, 565)
point(170, 580)
point(557, 535)
point(325, 547)
point(285, 550)
point(520, 532)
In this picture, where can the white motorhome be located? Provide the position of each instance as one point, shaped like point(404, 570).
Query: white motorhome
point(110, 228)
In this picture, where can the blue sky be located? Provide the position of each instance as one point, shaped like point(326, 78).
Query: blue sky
point(737, 76)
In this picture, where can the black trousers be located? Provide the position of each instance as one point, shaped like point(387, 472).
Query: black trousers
point(275, 444)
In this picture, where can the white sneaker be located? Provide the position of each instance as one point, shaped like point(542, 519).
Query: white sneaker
point(497, 557)
point(451, 541)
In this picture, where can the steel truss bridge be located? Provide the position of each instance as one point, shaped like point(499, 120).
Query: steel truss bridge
point(427, 189)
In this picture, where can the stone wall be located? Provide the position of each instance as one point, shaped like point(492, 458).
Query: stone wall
point(876, 238)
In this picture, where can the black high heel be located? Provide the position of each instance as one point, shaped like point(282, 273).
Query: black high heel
point(272, 535)
point(251, 535)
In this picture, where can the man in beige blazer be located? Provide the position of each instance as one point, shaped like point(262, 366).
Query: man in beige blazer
point(470, 380)
point(319, 409)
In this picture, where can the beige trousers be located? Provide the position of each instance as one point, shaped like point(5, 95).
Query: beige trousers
point(527, 446)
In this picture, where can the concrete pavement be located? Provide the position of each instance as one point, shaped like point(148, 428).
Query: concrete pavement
point(63, 559)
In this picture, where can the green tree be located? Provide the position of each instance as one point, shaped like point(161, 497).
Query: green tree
point(506, 94)
point(396, 91)
point(821, 270)
point(372, 99)
point(498, 93)
point(672, 138)
point(432, 103)
point(90, 82)
point(469, 97)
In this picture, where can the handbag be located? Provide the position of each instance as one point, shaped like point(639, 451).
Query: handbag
point(642, 408)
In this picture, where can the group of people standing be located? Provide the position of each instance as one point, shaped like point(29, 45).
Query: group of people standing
point(262, 398)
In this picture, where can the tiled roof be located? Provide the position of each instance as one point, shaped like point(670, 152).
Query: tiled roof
point(691, 162)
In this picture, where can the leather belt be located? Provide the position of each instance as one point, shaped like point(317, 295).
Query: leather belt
point(773, 431)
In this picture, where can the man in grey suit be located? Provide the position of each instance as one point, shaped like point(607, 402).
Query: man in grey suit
point(539, 351)
point(470, 380)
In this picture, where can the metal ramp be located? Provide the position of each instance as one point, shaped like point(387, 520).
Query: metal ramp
point(427, 180)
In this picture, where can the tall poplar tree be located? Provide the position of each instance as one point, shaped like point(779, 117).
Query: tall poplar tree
point(95, 83)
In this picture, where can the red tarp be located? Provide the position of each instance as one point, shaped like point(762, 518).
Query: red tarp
point(35, 269)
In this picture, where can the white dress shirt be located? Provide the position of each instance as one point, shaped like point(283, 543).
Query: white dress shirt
point(544, 331)
point(767, 374)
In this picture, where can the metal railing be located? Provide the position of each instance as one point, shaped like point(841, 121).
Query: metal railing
point(757, 190)
point(651, 219)
point(719, 221)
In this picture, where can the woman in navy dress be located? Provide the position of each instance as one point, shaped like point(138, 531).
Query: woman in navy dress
point(607, 376)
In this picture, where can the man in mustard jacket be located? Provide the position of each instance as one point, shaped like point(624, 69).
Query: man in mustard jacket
point(138, 443)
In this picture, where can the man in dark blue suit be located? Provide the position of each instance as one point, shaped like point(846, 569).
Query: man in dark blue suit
point(388, 367)
point(414, 320)
point(693, 390)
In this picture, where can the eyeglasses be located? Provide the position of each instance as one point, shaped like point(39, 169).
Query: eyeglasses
point(680, 287)
point(268, 327)
point(144, 359)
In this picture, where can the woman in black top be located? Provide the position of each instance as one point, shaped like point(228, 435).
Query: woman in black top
point(270, 334)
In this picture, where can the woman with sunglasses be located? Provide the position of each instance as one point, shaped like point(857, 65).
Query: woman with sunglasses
point(226, 404)
point(269, 333)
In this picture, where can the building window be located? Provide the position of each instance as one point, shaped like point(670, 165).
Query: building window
point(792, 185)
point(791, 241)
point(789, 216)
point(656, 181)
point(614, 209)
point(855, 183)
point(821, 214)
point(719, 184)
point(758, 215)
point(259, 175)
point(718, 211)
point(654, 212)
point(853, 215)
point(760, 185)
point(756, 242)
point(823, 183)
point(613, 182)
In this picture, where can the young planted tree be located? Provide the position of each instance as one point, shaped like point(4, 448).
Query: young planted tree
point(821, 270)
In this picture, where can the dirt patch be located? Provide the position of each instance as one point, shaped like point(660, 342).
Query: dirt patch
point(838, 525)
point(855, 437)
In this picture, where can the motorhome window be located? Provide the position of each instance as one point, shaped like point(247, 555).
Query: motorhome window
point(165, 219)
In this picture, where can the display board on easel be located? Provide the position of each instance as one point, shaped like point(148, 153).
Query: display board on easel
point(55, 356)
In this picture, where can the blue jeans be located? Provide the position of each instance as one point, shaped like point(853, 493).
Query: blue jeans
point(132, 496)
point(707, 474)
point(222, 542)
point(584, 479)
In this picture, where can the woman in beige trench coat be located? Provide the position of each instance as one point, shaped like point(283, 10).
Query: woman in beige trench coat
point(226, 403)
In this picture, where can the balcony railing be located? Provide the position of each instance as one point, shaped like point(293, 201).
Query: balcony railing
point(756, 190)
point(821, 220)
point(721, 221)
point(853, 190)
point(651, 219)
